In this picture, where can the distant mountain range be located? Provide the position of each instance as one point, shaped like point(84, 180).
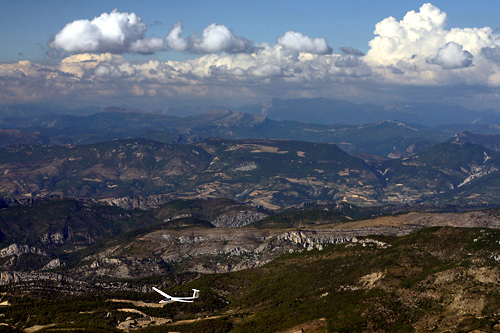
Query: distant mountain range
point(385, 138)
point(309, 110)
point(331, 111)
point(33, 110)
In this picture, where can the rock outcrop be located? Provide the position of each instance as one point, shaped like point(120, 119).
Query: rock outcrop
point(16, 277)
point(140, 202)
point(240, 219)
point(15, 249)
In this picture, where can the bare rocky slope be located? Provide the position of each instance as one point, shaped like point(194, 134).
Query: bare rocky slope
point(217, 250)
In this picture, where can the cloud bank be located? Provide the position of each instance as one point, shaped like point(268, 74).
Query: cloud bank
point(415, 54)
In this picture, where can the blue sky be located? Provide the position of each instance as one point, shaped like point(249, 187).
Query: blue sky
point(239, 52)
point(26, 26)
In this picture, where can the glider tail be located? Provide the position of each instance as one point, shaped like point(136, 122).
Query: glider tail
point(196, 293)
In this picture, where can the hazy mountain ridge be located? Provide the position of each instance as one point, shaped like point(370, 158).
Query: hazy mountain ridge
point(33, 110)
point(489, 141)
point(381, 137)
point(331, 111)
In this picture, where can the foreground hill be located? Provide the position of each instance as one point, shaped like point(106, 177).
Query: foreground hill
point(69, 264)
point(414, 283)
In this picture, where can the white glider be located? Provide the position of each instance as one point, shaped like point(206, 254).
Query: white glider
point(171, 299)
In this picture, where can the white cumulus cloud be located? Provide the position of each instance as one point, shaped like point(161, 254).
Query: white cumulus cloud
point(215, 38)
point(175, 40)
point(297, 41)
point(418, 34)
point(421, 50)
point(113, 32)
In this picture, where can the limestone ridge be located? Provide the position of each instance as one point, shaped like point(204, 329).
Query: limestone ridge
point(218, 251)
point(225, 250)
point(160, 249)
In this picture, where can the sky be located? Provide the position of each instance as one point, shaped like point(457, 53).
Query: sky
point(159, 53)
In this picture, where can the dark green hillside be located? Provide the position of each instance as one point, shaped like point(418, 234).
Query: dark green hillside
point(420, 178)
point(109, 169)
point(288, 172)
point(474, 171)
point(272, 174)
point(410, 286)
point(207, 210)
point(292, 158)
point(64, 224)
point(318, 214)
point(297, 219)
point(437, 279)
point(441, 172)
point(453, 156)
point(485, 189)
